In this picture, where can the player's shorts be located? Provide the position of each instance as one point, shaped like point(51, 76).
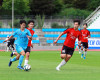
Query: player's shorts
point(67, 50)
point(8, 44)
point(84, 44)
point(28, 49)
point(19, 48)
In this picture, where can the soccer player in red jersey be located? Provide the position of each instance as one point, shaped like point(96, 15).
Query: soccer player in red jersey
point(27, 51)
point(30, 24)
point(68, 47)
point(84, 41)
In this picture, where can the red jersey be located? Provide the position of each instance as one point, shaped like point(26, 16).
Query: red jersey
point(32, 32)
point(85, 33)
point(72, 34)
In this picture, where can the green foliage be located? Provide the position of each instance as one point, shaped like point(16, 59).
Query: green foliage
point(56, 25)
point(40, 21)
point(74, 12)
point(93, 4)
point(47, 7)
point(21, 7)
point(0, 24)
point(50, 7)
point(80, 4)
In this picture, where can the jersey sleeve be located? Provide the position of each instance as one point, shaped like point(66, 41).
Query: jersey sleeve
point(28, 33)
point(66, 31)
point(80, 36)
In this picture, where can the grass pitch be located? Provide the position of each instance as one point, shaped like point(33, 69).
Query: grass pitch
point(43, 64)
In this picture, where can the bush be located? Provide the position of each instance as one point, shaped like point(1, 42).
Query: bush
point(74, 13)
point(0, 24)
point(40, 21)
point(56, 25)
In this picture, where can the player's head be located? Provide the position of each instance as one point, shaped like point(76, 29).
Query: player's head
point(85, 25)
point(31, 24)
point(22, 23)
point(76, 24)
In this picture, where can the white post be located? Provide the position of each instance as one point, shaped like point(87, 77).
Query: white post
point(12, 15)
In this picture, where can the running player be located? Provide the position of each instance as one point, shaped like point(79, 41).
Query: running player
point(68, 47)
point(84, 41)
point(21, 43)
point(27, 51)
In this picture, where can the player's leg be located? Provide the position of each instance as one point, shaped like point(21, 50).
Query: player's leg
point(14, 59)
point(79, 48)
point(27, 58)
point(63, 62)
point(66, 54)
point(13, 53)
point(12, 46)
point(27, 51)
point(7, 48)
point(82, 50)
point(21, 59)
point(85, 52)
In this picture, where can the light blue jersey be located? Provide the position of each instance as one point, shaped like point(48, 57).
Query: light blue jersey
point(22, 39)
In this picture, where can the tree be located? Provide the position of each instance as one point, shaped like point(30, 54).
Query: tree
point(93, 4)
point(21, 7)
point(47, 7)
point(1, 2)
point(80, 4)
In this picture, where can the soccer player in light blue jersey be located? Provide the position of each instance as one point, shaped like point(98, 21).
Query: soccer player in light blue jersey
point(23, 35)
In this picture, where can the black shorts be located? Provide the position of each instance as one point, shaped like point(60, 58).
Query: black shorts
point(67, 50)
point(28, 49)
point(8, 44)
point(84, 44)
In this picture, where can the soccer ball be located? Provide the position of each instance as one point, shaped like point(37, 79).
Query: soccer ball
point(27, 67)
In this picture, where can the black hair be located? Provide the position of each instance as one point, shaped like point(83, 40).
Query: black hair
point(77, 21)
point(85, 24)
point(30, 21)
point(22, 21)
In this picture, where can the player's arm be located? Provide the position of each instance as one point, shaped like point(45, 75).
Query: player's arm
point(58, 38)
point(29, 36)
point(66, 31)
point(8, 39)
point(88, 35)
point(31, 44)
point(79, 38)
point(15, 33)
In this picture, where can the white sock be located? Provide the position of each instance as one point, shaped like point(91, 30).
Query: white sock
point(7, 49)
point(85, 53)
point(26, 62)
point(63, 62)
point(13, 52)
point(79, 50)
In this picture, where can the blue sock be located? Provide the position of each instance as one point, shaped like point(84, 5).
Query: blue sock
point(21, 60)
point(14, 59)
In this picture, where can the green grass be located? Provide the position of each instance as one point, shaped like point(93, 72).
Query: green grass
point(43, 64)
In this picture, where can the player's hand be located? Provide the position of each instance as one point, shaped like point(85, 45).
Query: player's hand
point(79, 42)
point(29, 37)
point(85, 37)
point(4, 41)
point(32, 45)
point(54, 42)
